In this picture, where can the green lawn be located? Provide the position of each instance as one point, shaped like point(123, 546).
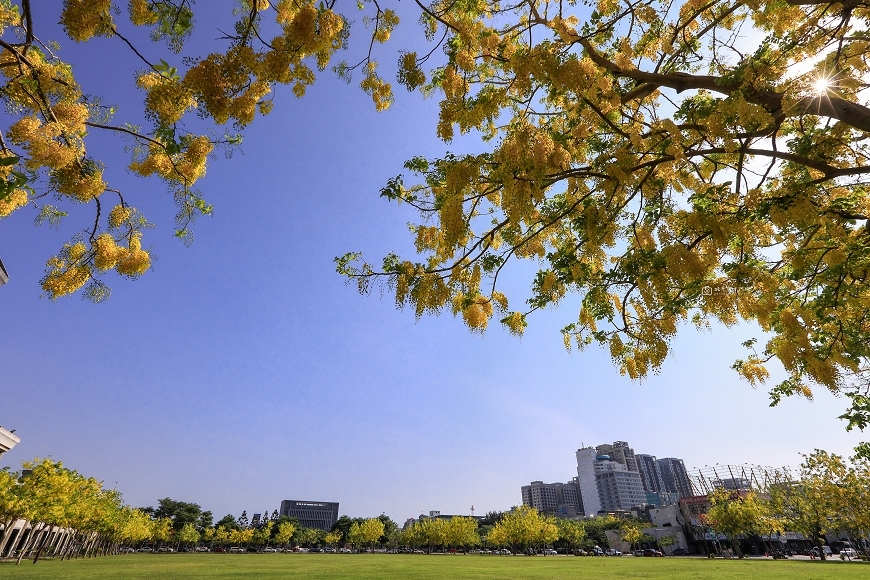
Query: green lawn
point(401, 567)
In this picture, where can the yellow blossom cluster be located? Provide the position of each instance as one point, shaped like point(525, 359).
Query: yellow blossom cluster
point(15, 199)
point(43, 143)
point(142, 13)
point(167, 99)
point(119, 215)
point(84, 19)
point(81, 182)
point(380, 91)
point(64, 278)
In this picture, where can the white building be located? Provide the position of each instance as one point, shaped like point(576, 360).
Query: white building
point(586, 479)
point(8, 440)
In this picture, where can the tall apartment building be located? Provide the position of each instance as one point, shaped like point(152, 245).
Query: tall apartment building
point(674, 476)
point(319, 515)
point(620, 452)
point(606, 484)
point(649, 473)
point(553, 498)
point(619, 489)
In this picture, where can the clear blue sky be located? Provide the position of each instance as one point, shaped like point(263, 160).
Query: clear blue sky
point(242, 371)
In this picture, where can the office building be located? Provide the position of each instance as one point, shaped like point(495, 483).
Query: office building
point(559, 499)
point(649, 473)
point(674, 476)
point(319, 515)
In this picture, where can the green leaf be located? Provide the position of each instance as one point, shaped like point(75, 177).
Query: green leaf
point(7, 161)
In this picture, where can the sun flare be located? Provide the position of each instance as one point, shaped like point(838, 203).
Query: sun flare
point(821, 86)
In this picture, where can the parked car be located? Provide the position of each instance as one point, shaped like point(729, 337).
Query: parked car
point(506, 552)
point(219, 550)
point(848, 552)
point(204, 549)
point(613, 552)
point(550, 552)
point(596, 551)
point(638, 553)
point(165, 549)
point(235, 550)
point(316, 550)
point(650, 553)
point(127, 550)
point(145, 549)
point(268, 550)
point(825, 549)
point(680, 552)
point(344, 551)
point(579, 552)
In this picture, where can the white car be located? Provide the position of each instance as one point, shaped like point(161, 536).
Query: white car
point(613, 552)
point(849, 552)
point(550, 552)
point(201, 549)
point(269, 550)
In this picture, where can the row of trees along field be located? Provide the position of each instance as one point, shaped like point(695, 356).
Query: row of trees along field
point(830, 494)
point(68, 515)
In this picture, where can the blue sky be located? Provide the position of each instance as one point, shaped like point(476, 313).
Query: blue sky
point(242, 371)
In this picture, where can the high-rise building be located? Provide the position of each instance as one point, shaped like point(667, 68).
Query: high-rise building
point(319, 515)
point(606, 484)
point(619, 452)
point(649, 473)
point(674, 476)
point(549, 498)
point(586, 480)
point(619, 489)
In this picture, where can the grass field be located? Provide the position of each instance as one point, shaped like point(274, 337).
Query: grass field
point(401, 567)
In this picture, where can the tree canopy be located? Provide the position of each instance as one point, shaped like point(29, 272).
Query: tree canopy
point(666, 162)
point(193, 104)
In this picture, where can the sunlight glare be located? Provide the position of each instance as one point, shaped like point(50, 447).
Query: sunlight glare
point(821, 86)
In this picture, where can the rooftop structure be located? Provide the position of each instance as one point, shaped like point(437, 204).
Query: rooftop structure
point(733, 477)
point(8, 440)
